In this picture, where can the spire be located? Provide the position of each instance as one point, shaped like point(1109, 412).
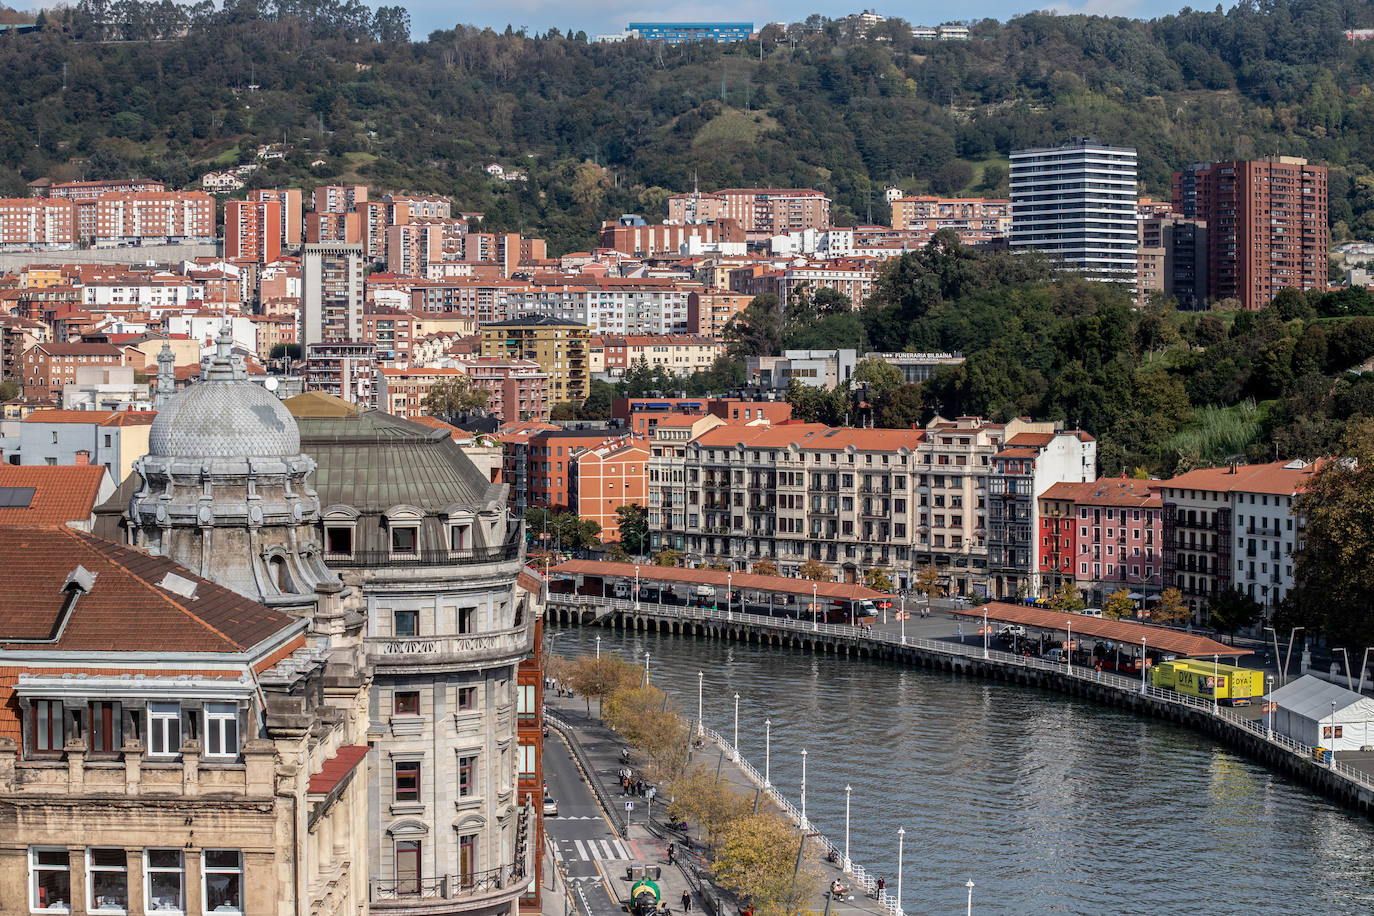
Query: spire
point(223, 366)
point(166, 375)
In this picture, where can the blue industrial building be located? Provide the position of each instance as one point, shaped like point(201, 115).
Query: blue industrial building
point(676, 33)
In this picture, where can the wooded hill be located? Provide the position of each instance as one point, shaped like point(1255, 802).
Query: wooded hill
point(160, 89)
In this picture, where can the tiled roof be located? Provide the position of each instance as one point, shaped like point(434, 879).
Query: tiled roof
point(1108, 491)
point(779, 436)
point(336, 769)
point(126, 608)
point(79, 349)
point(1018, 453)
point(1031, 439)
point(68, 416)
point(61, 493)
point(1161, 639)
point(1278, 477)
point(845, 590)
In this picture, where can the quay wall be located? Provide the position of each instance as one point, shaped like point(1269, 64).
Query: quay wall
point(1342, 783)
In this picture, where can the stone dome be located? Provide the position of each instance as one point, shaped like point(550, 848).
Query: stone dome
point(224, 416)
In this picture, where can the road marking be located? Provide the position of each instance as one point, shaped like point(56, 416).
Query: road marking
point(581, 850)
point(612, 850)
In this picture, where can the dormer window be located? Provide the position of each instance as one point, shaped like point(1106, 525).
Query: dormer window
point(47, 726)
point(338, 540)
point(405, 538)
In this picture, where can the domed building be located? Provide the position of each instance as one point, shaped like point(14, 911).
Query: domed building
point(224, 490)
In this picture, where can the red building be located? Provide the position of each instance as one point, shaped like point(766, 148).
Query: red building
point(1108, 531)
point(252, 231)
point(49, 366)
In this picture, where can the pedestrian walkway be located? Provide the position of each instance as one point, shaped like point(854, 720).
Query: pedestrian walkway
point(601, 754)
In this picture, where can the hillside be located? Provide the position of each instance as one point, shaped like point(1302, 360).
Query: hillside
point(172, 91)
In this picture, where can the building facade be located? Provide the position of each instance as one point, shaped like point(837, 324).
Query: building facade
point(332, 293)
point(559, 347)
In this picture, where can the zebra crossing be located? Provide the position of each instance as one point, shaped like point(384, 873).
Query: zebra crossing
point(593, 850)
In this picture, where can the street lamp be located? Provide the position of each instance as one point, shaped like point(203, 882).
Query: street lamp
point(901, 838)
point(1216, 683)
point(1142, 666)
point(985, 631)
point(1269, 708)
point(646, 669)
point(847, 790)
point(729, 595)
point(1332, 750)
point(701, 677)
point(803, 823)
point(1068, 646)
point(970, 885)
point(813, 605)
point(767, 751)
point(636, 586)
point(903, 619)
point(736, 743)
point(598, 647)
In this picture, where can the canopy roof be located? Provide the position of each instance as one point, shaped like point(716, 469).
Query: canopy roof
point(1160, 639)
point(1311, 698)
point(674, 575)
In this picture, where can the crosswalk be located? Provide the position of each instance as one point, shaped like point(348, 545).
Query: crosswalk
point(593, 850)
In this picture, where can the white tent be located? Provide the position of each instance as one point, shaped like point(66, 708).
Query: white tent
point(1320, 714)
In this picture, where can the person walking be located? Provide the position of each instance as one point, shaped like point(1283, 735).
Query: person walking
point(686, 901)
point(882, 883)
point(672, 850)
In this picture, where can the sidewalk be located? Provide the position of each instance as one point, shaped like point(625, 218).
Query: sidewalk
point(601, 747)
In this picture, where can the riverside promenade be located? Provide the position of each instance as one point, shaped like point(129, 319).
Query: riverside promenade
point(1348, 783)
point(597, 750)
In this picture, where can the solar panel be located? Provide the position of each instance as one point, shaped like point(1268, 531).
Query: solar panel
point(15, 497)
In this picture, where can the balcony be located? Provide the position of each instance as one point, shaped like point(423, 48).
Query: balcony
point(468, 650)
point(437, 895)
point(823, 510)
point(511, 550)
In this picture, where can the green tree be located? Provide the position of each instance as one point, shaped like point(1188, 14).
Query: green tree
point(1232, 610)
point(666, 557)
point(9, 390)
point(633, 523)
point(453, 398)
point(1068, 599)
point(1119, 605)
point(878, 579)
point(880, 376)
point(756, 330)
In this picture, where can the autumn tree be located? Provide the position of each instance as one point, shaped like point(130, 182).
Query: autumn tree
point(927, 582)
point(816, 571)
point(878, 579)
point(757, 860)
point(1119, 605)
point(452, 398)
point(641, 714)
point(701, 798)
point(1068, 599)
point(764, 567)
point(1171, 609)
point(666, 557)
point(599, 678)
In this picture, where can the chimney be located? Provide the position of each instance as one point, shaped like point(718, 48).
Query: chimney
point(82, 458)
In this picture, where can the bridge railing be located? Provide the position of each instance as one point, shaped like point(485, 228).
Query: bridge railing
point(964, 650)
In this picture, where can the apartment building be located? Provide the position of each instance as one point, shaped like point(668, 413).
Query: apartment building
point(977, 220)
point(853, 277)
point(1267, 225)
point(30, 223)
point(710, 310)
point(669, 438)
point(338, 198)
point(289, 200)
point(412, 247)
point(817, 368)
point(518, 388)
point(642, 240)
point(559, 347)
point(414, 207)
point(676, 354)
point(46, 367)
point(330, 227)
point(549, 475)
point(90, 190)
point(608, 305)
point(150, 218)
point(332, 293)
point(1232, 527)
point(253, 230)
point(762, 212)
point(1183, 242)
point(112, 439)
point(608, 477)
point(1026, 466)
point(484, 301)
point(345, 369)
point(1100, 537)
point(1077, 203)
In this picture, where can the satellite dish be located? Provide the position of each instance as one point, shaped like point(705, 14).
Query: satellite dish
point(270, 383)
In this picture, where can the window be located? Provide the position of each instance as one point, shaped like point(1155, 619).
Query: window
point(47, 726)
point(467, 858)
point(106, 732)
point(221, 730)
point(408, 867)
point(50, 880)
point(223, 881)
point(467, 776)
point(338, 540)
point(465, 616)
point(526, 760)
point(467, 699)
point(407, 780)
point(406, 623)
point(406, 703)
point(107, 876)
point(404, 539)
point(165, 874)
point(459, 537)
point(164, 728)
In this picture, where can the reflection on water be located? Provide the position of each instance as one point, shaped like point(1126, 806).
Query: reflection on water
point(1051, 804)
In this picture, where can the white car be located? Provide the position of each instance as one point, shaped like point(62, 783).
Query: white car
point(1007, 630)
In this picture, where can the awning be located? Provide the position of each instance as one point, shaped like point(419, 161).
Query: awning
point(336, 769)
point(1160, 639)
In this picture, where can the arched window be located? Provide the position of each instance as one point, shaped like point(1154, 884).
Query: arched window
point(281, 578)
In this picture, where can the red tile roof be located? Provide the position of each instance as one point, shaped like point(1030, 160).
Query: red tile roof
point(336, 769)
point(61, 493)
point(649, 573)
point(1278, 477)
point(126, 608)
point(1108, 491)
point(1160, 639)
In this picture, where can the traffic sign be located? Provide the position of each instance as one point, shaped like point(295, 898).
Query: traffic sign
point(629, 806)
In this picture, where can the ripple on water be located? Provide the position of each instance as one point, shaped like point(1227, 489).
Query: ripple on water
point(1051, 804)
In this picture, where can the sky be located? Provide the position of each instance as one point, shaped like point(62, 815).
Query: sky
point(601, 16)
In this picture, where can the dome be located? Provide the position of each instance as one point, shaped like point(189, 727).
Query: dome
point(224, 416)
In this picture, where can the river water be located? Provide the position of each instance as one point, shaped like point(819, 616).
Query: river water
point(1050, 804)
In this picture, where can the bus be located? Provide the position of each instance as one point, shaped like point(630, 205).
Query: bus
point(1194, 677)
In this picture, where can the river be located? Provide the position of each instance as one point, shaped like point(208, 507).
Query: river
point(1050, 804)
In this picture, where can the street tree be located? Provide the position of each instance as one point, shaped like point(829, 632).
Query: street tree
point(880, 376)
point(1171, 609)
point(927, 582)
point(633, 522)
point(756, 330)
point(641, 714)
point(1068, 599)
point(452, 398)
point(757, 861)
point(666, 557)
point(598, 678)
point(1119, 605)
point(816, 571)
point(700, 797)
point(878, 579)
point(1233, 610)
point(764, 567)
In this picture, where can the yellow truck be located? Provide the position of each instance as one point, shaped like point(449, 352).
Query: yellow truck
point(1195, 677)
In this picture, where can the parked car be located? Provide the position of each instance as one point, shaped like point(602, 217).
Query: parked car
point(1009, 630)
point(550, 806)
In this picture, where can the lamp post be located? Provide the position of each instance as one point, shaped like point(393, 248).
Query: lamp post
point(598, 647)
point(803, 794)
point(729, 595)
point(813, 605)
point(970, 885)
point(636, 586)
point(1216, 683)
point(901, 837)
point(1269, 708)
point(985, 631)
point(1332, 750)
point(701, 677)
point(767, 752)
point(847, 790)
point(736, 742)
point(1068, 646)
point(646, 669)
point(1142, 666)
point(903, 619)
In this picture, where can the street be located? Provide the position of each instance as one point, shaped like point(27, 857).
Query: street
point(587, 849)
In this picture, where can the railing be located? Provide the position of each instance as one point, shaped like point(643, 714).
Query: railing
point(466, 646)
point(507, 551)
point(450, 887)
point(1078, 672)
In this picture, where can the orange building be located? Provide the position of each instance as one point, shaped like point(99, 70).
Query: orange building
point(290, 201)
point(709, 311)
point(33, 222)
point(609, 477)
point(252, 230)
point(149, 217)
point(345, 228)
point(49, 366)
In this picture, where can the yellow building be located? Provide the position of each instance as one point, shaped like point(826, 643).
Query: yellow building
point(560, 347)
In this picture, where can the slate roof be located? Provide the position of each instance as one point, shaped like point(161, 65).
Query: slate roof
point(126, 609)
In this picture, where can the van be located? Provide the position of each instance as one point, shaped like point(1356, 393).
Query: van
point(1091, 612)
point(622, 590)
point(1056, 655)
point(704, 592)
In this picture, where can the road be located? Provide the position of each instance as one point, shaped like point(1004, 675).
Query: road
point(589, 853)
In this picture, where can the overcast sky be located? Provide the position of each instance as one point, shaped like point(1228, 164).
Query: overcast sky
point(611, 15)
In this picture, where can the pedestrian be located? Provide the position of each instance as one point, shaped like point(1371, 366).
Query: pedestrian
point(882, 883)
point(672, 851)
point(686, 901)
